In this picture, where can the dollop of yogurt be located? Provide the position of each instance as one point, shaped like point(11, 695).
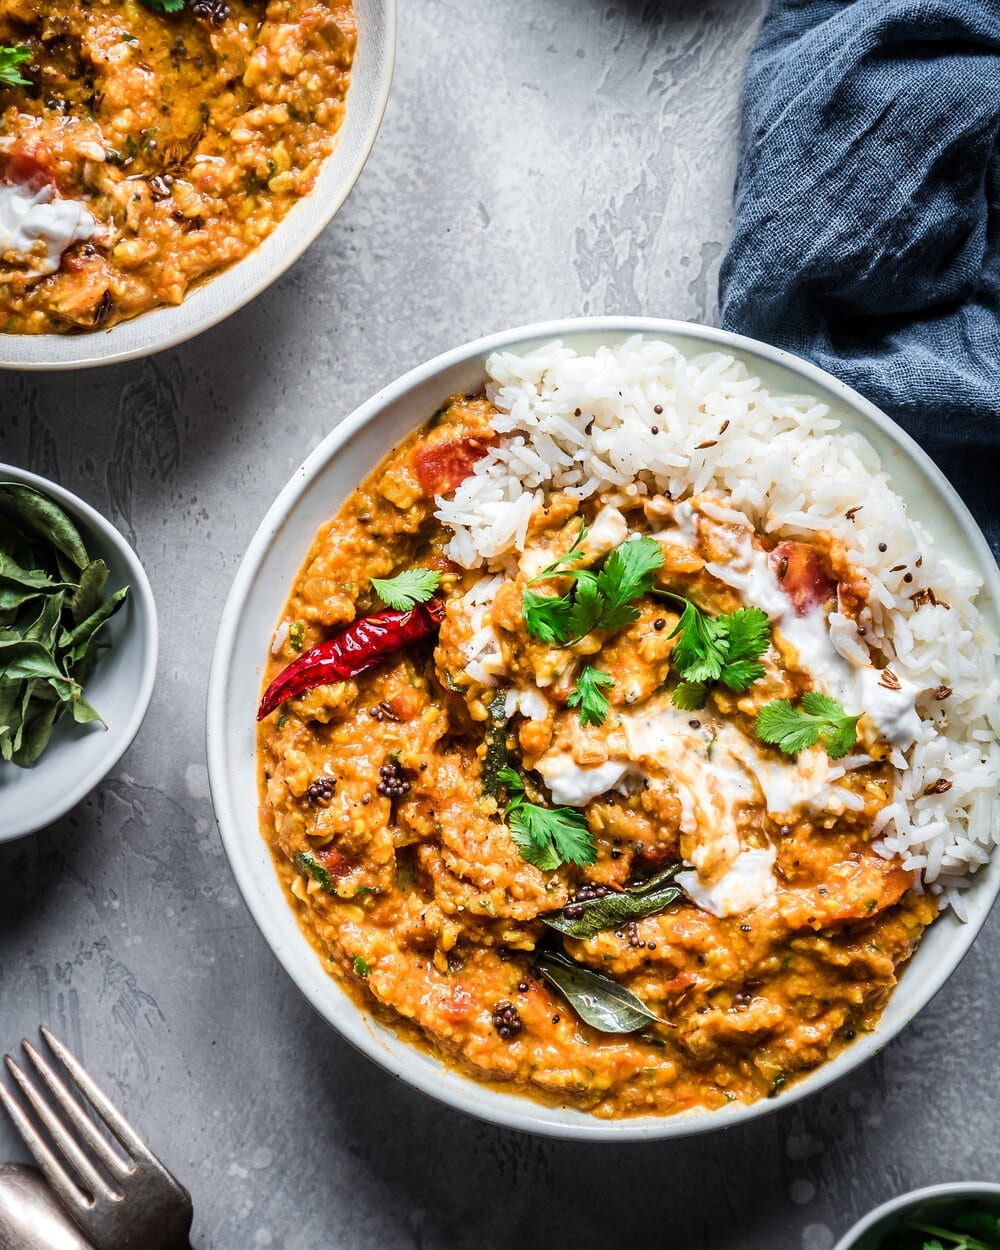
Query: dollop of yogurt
point(36, 227)
point(746, 883)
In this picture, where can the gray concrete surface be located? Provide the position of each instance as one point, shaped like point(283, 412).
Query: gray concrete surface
point(538, 159)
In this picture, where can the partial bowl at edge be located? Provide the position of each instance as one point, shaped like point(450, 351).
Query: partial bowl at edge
point(868, 1232)
point(219, 295)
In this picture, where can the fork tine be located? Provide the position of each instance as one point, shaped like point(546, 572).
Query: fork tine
point(84, 1126)
point(103, 1105)
point(55, 1174)
point(93, 1182)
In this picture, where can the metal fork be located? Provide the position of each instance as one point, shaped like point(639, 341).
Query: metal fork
point(133, 1203)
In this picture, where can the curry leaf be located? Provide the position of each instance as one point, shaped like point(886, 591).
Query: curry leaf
point(52, 613)
point(88, 595)
point(587, 917)
point(597, 1000)
point(49, 519)
point(79, 639)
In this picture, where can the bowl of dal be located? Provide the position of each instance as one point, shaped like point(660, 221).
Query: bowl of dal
point(474, 1005)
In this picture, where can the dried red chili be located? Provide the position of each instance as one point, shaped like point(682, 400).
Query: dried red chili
point(354, 650)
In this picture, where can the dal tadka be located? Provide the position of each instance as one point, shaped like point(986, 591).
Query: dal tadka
point(141, 151)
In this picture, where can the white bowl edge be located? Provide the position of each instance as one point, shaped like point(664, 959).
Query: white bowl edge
point(943, 946)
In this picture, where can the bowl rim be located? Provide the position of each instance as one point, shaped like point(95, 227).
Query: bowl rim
point(139, 586)
point(171, 325)
point(465, 1093)
point(913, 1198)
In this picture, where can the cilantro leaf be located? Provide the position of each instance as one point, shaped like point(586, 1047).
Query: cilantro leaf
point(10, 59)
point(627, 575)
point(784, 726)
point(722, 648)
point(547, 617)
point(690, 696)
point(546, 836)
point(512, 780)
point(408, 588)
point(164, 6)
point(821, 719)
point(749, 632)
point(589, 697)
point(702, 645)
point(741, 675)
point(603, 600)
point(841, 731)
point(588, 605)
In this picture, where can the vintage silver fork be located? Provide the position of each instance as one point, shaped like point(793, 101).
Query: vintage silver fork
point(134, 1203)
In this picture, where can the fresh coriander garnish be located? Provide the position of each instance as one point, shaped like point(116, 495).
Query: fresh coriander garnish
point(10, 59)
point(589, 696)
point(408, 588)
point(603, 600)
point(164, 6)
point(546, 836)
point(361, 966)
point(724, 648)
point(820, 719)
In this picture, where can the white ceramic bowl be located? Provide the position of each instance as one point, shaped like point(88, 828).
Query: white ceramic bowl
point(259, 593)
point(938, 1200)
point(214, 299)
point(79, 756)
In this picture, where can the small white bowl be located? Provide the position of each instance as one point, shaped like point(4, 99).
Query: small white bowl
point(79, 756)
point(212, 300)
point(942, 1199)
point(262, 587)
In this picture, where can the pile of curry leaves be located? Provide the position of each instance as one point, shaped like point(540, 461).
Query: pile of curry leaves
point(52, 610)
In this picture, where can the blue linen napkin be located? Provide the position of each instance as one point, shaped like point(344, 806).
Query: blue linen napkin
point(867, 214)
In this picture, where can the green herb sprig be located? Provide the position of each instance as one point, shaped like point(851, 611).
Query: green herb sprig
point(602, 600)
point(546, 836)
point(588, 695)
point(725, 648)
point(164, 6)
point(408, 588)
point(52, 611)
point(10, 59)
point(820, 719)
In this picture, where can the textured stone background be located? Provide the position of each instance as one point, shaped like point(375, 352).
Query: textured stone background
point(544, 158)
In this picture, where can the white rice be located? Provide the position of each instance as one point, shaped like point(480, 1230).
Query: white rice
point(584, 425)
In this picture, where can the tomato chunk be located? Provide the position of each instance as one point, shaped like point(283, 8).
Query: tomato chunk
point(803, 575)
point(443, 466)
point(335, 862)
point(30, 165)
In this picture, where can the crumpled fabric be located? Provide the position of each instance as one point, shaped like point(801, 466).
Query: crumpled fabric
point(866, 231)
